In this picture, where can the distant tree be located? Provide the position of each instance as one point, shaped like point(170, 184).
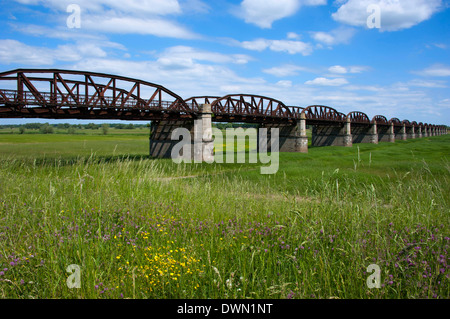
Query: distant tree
point(21, 129)
point(71, 130)
point(105, 128)
point(32, 126)
point(92, 126)
point(46, 129)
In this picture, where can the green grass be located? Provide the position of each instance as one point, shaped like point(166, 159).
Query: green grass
point(148, 228)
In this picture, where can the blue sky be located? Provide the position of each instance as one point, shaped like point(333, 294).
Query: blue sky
point(302, 52)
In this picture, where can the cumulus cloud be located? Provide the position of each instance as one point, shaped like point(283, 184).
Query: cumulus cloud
point(338, 69)
point(145, 17)
point(131, 25)
point(439, 70)
point(141, 7)
point(13, 51)
point(395, 14)
point(285, 70)
point(184, 55)
point(264, 13)
point(337, 36)
point(427, 84)
point(289, 46)
point(327, 82)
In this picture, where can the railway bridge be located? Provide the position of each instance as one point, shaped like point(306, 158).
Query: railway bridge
point(71, 94)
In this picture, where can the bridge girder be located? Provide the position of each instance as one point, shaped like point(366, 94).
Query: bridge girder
point(83, 93)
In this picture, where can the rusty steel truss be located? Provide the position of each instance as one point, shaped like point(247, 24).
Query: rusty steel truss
point(358, 118)
point(58, 94)
point(74, 94)
point(320, 113)
point(380, 120)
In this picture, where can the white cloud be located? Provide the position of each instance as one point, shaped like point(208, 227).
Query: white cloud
point(284, 83)
point(13, 51)
point(395, 14)
point(186, 56)
point(293, 36)
point(341, 35)
point(327, 82)
point(285, 70)
point(289, 46)
point(357, 69)
point(427, 84)
point(439, 70)
point(130, 25)
point(140, 7)
point(143, 17)
point(338, 69)
point(440, 46)
point(372, 88)
point(264, 13)
point(194, 6)
point(256, 45)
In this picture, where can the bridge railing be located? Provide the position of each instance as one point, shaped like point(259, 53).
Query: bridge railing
point(28, 99)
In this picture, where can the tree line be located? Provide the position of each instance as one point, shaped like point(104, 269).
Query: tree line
point(46, 128)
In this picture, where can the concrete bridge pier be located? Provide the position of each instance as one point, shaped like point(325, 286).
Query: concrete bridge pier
point(195, 142)
point(383, 133)
point(419, 131)
point(392, 133)
point(292, 138)
point(161, 143)
point(303, 139)
point(374, 133)
point(365, 134)
point(410, 132)
point(400, 132)
point(332, 135)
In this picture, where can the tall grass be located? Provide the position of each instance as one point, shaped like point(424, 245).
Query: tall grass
point(144, 228)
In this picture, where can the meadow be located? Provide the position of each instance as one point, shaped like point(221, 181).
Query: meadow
point(149, 228)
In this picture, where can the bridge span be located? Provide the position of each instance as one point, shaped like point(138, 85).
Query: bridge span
point(71, 94)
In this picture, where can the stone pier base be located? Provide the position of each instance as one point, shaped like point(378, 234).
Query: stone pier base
point(328, 135)
point(292, 138)
point(193, 140)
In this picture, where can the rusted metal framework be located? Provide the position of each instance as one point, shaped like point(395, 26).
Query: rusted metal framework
point(251, 107)
point(296, 111)
point(380, 120)
point(53, 93)
point(395, 121)
point(196, 101)
point(358, 117)
point(406, 122)
point(321, 113)
point(73, 94)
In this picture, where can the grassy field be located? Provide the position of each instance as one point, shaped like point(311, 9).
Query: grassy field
point(148, 228)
